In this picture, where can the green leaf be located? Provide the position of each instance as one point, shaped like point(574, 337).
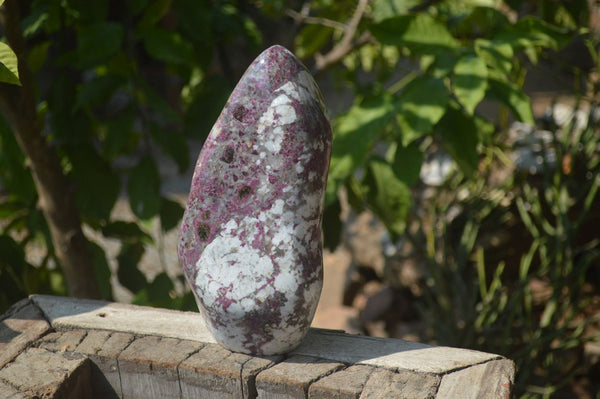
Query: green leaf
point(128, 273)
point(38, 55)
point(383, 9)
point(144, 189)
point(311, 39)
point(470, 81)
point(101, 271)
point(97, 186)
point(407, 163)
point(173, 144)
point(161, 288)
point(420, 33)
point(148, 96)
point(420, 106)
point(171, 213)
point(387, 195)
point(208, 101)
point(136, 6)
point(11, 255)
point(129, 232)
point(496, 54)
point(97, 43)
point(355, 131)
point(97, 91)
point(118, 134)
point(332, 225)
point(15, 176)
point(167, 46)
point(9, 65)
point(154, 12)
point(513, 97)
point(481, 22)
point(531, 32)
point(459, 137)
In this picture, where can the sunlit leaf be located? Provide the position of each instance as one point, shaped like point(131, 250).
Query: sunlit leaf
point(355, 131)
point(496, 54)
point(513, 97)
point(420, 33)
point(387, 195)
point(420, 106)
point(383, 9)
point(9, 69)
point(470, 81)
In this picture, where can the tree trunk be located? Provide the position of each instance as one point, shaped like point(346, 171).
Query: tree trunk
point(56, 195)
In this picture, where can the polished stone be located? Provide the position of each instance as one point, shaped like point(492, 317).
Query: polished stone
point(250, 241)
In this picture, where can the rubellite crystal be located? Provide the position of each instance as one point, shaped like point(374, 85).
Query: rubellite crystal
point(250, 241)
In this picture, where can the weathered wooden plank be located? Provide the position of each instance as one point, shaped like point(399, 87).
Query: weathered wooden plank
point(330, 346)
point(215, 372)
point(291, 378)
point(390, 353)
point(385, 384)
point(61, 341)
point(210, 373)
point(344, 384)
point(21, 325)
point(148, 366)
point(250, 370)
point(103, 348)
point(69, 313)
point(493, 379)
point(41, 373)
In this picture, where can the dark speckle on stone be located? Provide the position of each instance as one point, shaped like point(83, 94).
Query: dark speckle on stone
point(244, 192)
point(203, 231)
point(227, 156)
point(241, 114)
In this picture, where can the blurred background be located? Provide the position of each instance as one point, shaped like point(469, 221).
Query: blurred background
point(462, 200)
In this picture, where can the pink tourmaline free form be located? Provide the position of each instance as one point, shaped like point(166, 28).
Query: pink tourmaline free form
point(250, 241)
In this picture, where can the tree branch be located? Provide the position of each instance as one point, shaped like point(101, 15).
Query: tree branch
point(347, 44)
point(57, 199)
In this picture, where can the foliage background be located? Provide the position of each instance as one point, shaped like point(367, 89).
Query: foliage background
point(112, 82)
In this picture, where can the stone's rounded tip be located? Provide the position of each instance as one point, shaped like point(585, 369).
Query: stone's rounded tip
point(275, 66)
